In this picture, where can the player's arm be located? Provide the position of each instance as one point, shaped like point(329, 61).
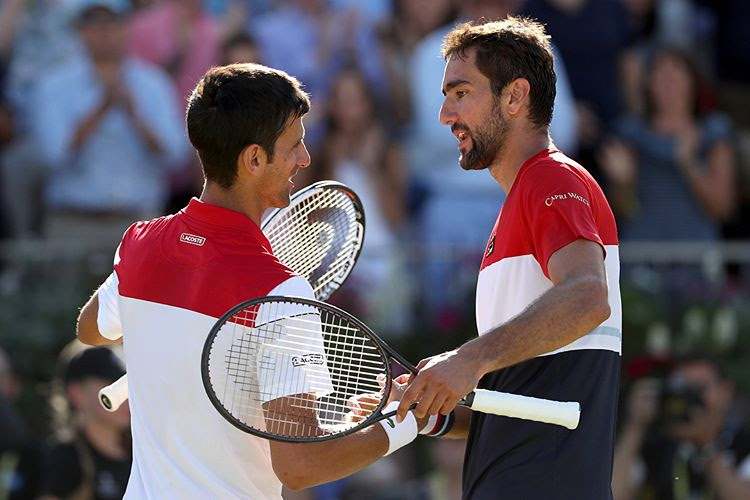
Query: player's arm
point(575, 305)
point(94, 318)
point(303, 465)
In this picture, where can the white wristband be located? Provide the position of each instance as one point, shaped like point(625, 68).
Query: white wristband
point(398, 434)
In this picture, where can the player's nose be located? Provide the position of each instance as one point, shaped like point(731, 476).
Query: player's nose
point(303, 160)
point(447, 115)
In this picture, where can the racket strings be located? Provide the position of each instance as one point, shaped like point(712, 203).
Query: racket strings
point(311, 252)
point(296, 371)
point(321, 232)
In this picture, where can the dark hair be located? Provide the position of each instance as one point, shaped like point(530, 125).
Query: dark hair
point(94, 362)
point(700, 357)
point(237, 105)
point(516, 47)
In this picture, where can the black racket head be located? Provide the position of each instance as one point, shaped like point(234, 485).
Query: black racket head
point(295, 369)
point(319, 235)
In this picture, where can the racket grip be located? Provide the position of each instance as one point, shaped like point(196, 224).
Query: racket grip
point(114, 395)
point(566, 414)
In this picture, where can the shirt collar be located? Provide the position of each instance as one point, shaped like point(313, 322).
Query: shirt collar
point(223, 217)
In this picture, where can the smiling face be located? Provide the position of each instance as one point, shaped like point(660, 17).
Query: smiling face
point(473, 112)
point(290, 155)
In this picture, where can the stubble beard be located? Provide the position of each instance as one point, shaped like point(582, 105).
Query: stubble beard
point(487, 142)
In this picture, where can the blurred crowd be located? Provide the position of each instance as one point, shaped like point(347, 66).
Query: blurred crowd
point(652, 98)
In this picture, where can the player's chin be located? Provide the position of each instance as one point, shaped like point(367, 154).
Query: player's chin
point(282, 202)
point(468, 163)
point(284, 197)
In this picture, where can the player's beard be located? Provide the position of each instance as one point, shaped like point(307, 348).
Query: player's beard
point(487, 142)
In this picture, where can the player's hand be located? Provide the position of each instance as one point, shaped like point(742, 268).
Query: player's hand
point(618, 162)
point(398, 388)
point(361, 406)
point(643, 403)
point(440, 384)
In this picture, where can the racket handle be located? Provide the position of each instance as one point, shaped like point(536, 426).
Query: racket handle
point(115, 394)
point(566, 414)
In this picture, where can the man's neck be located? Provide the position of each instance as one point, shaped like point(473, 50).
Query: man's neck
point(518, 149)
point(229, 198)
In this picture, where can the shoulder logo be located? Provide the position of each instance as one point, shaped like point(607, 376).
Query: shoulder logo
point(192, 239)
point(390, 422)
point(565, 196)
point(490, 246)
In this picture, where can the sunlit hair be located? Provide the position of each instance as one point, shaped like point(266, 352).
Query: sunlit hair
point(238, 105)
point(515, 47)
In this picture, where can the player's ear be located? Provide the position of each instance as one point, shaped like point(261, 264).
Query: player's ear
point(518, 93)
point(252, 159)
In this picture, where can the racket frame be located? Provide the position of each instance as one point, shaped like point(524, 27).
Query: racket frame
point(387, 353)
point(309, 191)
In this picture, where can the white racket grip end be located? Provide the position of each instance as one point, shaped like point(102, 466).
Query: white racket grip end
point(114, 395)
point(566, 414)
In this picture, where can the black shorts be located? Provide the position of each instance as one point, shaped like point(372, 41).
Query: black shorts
point(511, 458)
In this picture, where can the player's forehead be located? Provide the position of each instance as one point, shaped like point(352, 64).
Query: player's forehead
point(462, 69)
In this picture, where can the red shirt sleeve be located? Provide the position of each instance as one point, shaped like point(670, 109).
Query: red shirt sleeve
point(557, 204)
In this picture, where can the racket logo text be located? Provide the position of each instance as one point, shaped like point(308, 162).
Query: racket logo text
point(308, 359)
point(192, 239)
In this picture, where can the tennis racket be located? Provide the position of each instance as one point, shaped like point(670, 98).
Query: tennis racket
point(300, 370)
point(318, 236)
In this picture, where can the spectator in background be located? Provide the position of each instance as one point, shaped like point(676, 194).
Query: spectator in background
point(10, 11)
point(20, 453)
point(732, 55)
point(671, 172)
point(591, 35)
point(185, 40)
point(93, 456)
point(239, 48)
point(44, 38)
point(179, 36)
point(412, 20)
point(108, 130)
point(33, 35)
point(357, 151)
point(692, 444)
point(308, 39)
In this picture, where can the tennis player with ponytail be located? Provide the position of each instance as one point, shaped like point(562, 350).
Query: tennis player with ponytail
point(174, 276)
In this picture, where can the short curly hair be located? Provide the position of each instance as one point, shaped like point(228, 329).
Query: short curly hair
point(516, 47)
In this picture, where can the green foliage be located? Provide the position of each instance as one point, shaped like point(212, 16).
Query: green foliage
point(36, 321)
